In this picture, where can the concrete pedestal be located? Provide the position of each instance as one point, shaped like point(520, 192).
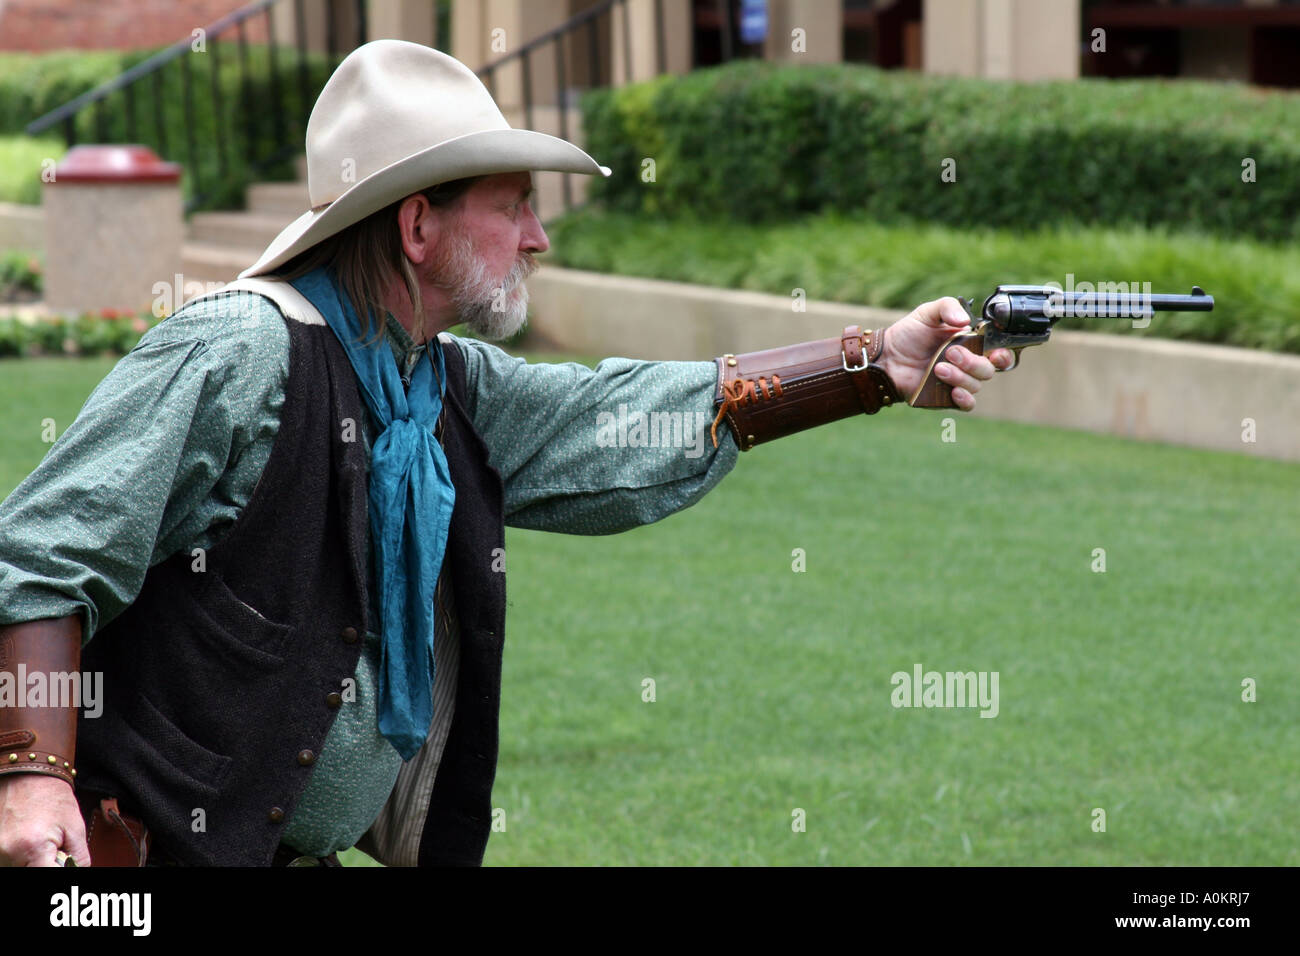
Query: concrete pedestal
point(114, 225)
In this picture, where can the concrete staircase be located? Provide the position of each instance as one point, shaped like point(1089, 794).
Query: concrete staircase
point(220, 245)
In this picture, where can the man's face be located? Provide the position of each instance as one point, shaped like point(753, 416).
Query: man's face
point(487, 252)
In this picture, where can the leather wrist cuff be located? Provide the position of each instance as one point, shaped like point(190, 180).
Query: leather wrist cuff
point(40, 738)
point(777, 392)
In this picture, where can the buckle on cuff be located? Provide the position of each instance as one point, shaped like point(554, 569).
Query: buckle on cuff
point(844, 362)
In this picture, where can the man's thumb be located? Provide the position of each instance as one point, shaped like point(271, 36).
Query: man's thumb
point(943, 312)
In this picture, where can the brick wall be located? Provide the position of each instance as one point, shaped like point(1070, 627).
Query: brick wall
point(35, 25)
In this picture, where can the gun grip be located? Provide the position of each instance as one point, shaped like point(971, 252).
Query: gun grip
point(933, 392)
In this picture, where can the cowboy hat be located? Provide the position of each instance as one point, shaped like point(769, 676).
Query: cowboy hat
point(396, 118)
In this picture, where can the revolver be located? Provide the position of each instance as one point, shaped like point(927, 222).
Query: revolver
point(1018, 316)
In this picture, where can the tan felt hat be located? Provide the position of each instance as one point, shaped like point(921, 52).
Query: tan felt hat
point(396, 118)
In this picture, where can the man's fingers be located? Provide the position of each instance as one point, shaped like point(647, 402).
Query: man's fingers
point(951, 375)
point(39, 816)
point(979, 366)
point(43, 853)
point(1002, 359)
point(74, 843)
point(963, 399)
point(964, 371)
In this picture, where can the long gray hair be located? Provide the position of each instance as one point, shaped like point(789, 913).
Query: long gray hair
point(368, 254)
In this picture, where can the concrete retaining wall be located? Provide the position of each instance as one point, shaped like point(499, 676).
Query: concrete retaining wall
point(1204, 396)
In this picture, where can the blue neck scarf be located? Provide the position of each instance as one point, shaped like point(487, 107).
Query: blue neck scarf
point(411, 499)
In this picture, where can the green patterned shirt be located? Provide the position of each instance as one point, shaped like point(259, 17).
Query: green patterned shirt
point(170, 445)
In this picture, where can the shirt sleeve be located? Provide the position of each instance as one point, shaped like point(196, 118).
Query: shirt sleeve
point(122, 488)
point(596, 451)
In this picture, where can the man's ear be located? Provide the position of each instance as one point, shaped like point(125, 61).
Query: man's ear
point(420, 227)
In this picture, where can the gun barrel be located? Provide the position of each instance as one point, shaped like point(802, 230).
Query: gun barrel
point(1124, 303)
point(1181, 303)
point(1031, 310)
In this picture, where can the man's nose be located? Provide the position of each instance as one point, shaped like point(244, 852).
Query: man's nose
point(533, 238)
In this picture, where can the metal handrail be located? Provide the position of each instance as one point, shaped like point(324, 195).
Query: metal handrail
point(278, 143)
point(141, 69)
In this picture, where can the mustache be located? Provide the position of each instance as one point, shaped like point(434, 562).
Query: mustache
point(525, 265)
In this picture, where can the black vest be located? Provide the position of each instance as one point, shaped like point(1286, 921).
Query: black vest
point(220, 685)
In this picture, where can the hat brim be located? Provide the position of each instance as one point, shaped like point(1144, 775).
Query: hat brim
point(474, 154)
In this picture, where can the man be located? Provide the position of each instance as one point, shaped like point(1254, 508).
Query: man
point(286, 536)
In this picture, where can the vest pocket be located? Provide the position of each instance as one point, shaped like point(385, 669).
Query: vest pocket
point(178, 764)
point(235, 629)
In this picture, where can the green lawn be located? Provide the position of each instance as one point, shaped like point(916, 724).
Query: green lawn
point(1118, 690)
point(21, 159)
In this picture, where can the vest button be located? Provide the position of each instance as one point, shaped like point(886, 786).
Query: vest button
point(334, 700)
point(349, 635)
point(306, 758)
point(276, 815)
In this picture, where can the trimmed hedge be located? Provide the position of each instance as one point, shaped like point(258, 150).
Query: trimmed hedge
point(755, 141)
point(31, 85)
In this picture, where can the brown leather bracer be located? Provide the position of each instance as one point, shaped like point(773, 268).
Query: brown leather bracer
point(43, 738)
point(770, 394)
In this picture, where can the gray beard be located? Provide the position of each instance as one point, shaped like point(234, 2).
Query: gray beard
point(492, 309)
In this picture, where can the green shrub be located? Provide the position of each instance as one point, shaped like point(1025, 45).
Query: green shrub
point(21, 162)
point(94, 336)
point(107, 332)
point(247, 122)
point(11, 338)
point(47, 336)
point(754, 141)
point(20, 273)
point(32, 84)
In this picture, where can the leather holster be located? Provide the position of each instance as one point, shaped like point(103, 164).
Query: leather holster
point(113, 838)
point(770, 394)
point(42, 738)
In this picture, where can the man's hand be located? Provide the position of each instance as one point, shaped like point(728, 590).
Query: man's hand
point(911, 342)
point(39, 816)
